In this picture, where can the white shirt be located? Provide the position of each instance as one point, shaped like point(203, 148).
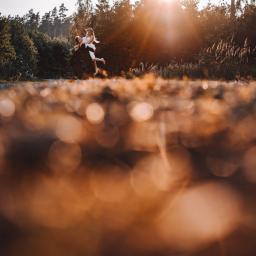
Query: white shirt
point(85, 41)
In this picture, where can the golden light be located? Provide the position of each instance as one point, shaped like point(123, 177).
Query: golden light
point(95, 113)
point(7, 108)
point(141, 111)
point(68, 129)
point(201, 215)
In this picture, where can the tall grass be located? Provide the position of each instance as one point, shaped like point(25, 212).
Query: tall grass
point(222, 60)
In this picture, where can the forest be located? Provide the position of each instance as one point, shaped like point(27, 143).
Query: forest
point(173, 39)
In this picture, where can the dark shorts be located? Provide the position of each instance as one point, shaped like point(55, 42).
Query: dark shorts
point(82, 63)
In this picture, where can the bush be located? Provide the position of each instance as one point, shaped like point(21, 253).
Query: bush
point(24, 66)
point(54, 56)
point(7, 50)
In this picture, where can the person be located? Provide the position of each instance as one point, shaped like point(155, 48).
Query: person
point(82, 64)
point(89, 41)
point(78, 41)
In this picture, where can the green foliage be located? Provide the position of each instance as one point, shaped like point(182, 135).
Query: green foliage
point(31, 20)
point(24, 65)
point(53, 56)
point(56, 23)
point(6, 48)
point(26, 53)
point(61, 56)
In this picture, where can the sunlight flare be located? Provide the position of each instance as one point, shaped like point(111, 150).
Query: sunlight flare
point(167, 1)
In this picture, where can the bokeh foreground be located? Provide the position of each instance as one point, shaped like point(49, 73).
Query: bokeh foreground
point(128, 167)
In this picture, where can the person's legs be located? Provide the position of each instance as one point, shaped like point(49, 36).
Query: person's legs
point(95, 66)
point(102, 60)
point(89, 67)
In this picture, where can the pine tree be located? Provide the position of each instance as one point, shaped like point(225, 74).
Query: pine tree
point(103, 19)
point(32, 20)
point(121, 38)
point(62, 12)
point(232, 9)
point(7, 51)
point(46, 24)
point(82, 18)
point(63, 20)
point(25, 63)
point(55, 22)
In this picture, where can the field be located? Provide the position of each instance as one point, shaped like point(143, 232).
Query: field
point(128, 168)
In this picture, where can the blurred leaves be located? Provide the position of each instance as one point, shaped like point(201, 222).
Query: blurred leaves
point(127, 167)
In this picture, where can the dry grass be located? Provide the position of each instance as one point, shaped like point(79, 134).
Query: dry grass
point(222, 60)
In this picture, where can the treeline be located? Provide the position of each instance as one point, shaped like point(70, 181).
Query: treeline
point(30, 55)
point(148, 31)
point(33, 47)
point(55, 23)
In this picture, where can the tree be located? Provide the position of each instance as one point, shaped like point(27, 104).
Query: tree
point(232, 10)
point(46, 24)
point(217, 18)
point(82, 18)
point(25, 63)
point(7, 51)
point(102, 20)
point(61, 57)
point(32, 20)
point(62, 12)
point(64, 21)
point(53, 55)
point(120, 37)
point(55, 22)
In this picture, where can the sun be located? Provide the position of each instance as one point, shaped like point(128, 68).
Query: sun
point(167, 2)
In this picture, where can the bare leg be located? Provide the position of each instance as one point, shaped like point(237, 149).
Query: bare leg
point(101, 60)
point(95, 67)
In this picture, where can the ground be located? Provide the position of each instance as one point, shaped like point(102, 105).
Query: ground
point(128, 167)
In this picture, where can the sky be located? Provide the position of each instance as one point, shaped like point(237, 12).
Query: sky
point(21, 7)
